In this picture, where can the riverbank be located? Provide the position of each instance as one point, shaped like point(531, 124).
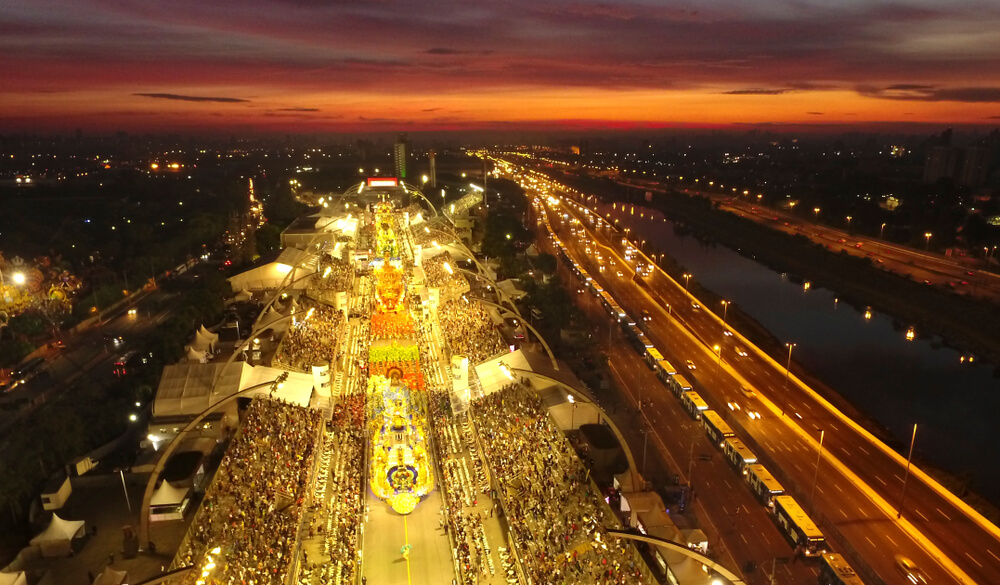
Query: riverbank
point(958, 478)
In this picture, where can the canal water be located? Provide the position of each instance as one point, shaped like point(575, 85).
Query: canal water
point(955, 404)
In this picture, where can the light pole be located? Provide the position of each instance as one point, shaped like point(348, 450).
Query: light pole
point(725, 311)
point(718, 352)
point(927, 241)
point(849, 218)
point(788, 366)
point(880, 230)
point(906, 476)
point(819, 455)
point(687, 278)
point(815, 213)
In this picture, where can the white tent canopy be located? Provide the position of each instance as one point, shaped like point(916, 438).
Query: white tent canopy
point(187, 389)
point(56, 539)
point(194, 355)
point(168, 495)
point(111, 577)
point(13, 578)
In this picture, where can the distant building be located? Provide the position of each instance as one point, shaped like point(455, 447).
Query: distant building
point(975, 165)
point(399, 152)
point(942, 162)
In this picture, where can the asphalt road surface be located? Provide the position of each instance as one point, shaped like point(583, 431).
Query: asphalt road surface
point(858, 483)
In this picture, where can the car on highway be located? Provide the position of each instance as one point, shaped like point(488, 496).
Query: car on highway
point(910, 570)
point(727, 333)
point(695, 305)
point(741, 352)
point(113, 339)
point(690, 364)
point(748, 392)
point(646, 316)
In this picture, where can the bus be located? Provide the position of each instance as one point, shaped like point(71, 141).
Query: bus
point(716, 428)
point(763, 484)
point(738, 454)
point(607, 302)
point(680, 385)
point(693, 404)
point(653, 357)
point(127, 363)
point(834, 570)
point(798, 527)
point(664, 370)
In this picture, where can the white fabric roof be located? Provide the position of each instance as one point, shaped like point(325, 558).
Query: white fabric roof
point(510, 289)
point(13, 578)
point(271, 274)
point(59, 530)
point(168, 495)
point(194, 355)
point(186, 389)
point(111, 577)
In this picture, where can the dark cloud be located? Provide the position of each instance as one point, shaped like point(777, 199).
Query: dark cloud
point(444, 51)
point(756, 92)
point(430, 109)
point(816, 113)
point(192, 98)
point(297, 110)
point(931, 93)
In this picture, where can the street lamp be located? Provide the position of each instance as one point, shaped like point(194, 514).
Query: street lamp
point(849, 218)
point(725, 311)
point(788, 366)
point(819, 456)
point(815, 212)
point(687, 278)
point(927, 241)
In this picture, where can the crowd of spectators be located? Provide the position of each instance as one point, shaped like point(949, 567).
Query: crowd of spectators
point(253, 508)
point(556, 520)
point(333, 274)
point(340, 508)
point(313, 340)
point(452, 282)
point(469, 330)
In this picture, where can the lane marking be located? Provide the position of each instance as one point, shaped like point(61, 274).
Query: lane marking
point(891, 540)
point(943, 514)
point(993, 555)
point(926, 519)
point(838, 488)
point(745, 541)
point(820, 490)
point(870, 542)
point(882, 481)
point(974, 560)
point(843, 512)
point(846, 452)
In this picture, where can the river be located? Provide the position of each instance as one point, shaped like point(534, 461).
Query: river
point(868, 361)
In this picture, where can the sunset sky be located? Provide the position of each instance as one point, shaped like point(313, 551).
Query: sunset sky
point(326, 65)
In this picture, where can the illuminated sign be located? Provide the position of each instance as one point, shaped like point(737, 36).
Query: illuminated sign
point(374, 182)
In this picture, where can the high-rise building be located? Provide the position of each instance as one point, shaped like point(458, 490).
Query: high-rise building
point(399, 152)
point(433, 169)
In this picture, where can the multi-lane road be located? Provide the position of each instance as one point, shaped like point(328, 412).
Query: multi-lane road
point(859, 481)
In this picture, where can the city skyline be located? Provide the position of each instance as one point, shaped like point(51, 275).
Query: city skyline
point(343, 67)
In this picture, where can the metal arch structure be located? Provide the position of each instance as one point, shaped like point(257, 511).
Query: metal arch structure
point(410, 188)
point(555, 364)
point(583, 396)
point(505, 296)
point(482, 271)
point(147, 496)
point(679, 548)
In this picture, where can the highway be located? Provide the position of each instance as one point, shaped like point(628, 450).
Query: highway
point(724, 505)
point(859, 480)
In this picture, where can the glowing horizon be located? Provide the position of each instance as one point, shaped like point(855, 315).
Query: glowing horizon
point(300, 66)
